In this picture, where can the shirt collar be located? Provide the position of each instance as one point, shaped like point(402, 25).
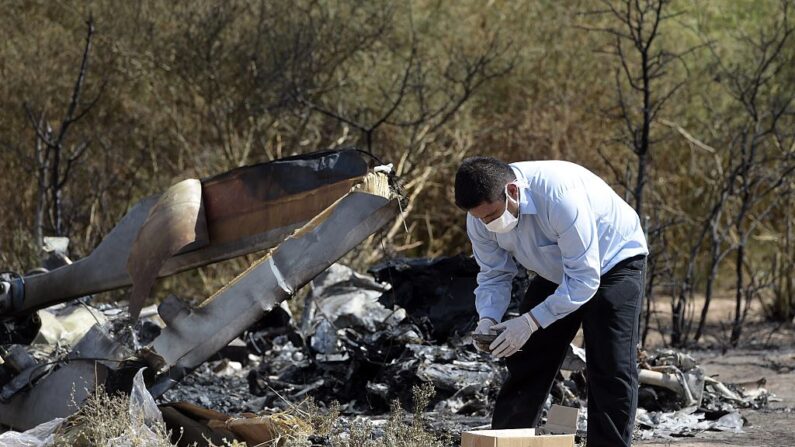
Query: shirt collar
point(526, 205)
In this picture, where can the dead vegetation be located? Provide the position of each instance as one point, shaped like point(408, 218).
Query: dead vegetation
point(397, 432)
point(109, 419)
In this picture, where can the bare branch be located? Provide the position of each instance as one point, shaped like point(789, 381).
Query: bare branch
point(69, 118)
point(690, 138)
point(35, 124)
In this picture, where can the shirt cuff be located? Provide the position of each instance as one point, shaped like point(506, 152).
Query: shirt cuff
point(543, 315)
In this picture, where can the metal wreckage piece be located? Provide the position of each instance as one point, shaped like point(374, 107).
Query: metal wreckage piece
point(308, 210)
point(242, 211)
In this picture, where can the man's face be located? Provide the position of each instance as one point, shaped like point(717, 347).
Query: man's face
point(488, 211)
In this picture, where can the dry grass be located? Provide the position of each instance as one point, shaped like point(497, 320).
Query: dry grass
point(106, 419)
point(326, 423)
point(294, 427)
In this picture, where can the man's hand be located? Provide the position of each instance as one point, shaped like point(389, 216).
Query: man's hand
point(515, 333)
point(484, 327)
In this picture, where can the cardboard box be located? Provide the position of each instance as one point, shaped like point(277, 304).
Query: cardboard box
point(558, 432)
point(519, 437)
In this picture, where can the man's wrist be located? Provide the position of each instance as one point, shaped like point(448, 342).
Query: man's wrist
point(488, 318)
point(531, 320)
point(535, 320)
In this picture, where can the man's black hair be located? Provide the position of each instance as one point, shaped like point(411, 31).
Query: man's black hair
point(480, 180)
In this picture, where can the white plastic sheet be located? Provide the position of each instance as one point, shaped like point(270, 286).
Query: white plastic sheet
point(144, 417)
point(38, 436)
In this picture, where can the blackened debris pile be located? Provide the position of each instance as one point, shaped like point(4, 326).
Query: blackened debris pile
point(363, 353)
point(439, 292)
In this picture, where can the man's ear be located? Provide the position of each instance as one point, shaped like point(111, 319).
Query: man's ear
point(513, 190)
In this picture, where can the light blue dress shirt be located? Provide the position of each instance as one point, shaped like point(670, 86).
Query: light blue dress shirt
point(572, 229)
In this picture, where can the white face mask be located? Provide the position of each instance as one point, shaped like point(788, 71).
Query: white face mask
point(507, 221)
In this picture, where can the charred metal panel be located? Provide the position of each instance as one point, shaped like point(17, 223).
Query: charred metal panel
point(57, 394)
point(247, 210)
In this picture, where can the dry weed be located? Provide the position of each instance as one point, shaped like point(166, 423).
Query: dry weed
point(295, 426)
point(104, 420)
point(398, 432)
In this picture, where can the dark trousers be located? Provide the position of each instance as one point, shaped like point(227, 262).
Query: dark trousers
point(610, 323)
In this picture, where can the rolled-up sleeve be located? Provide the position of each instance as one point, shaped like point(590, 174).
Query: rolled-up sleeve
point(497, 269)
point(574, 222)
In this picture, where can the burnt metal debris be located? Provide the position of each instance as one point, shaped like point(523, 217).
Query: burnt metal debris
point(245, 210)
point(439, 292)
point(309, 210)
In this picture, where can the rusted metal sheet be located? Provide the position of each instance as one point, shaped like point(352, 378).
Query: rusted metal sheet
point(248, 209)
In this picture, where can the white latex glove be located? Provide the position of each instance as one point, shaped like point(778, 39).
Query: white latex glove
point(515, 333)
point(484, 327)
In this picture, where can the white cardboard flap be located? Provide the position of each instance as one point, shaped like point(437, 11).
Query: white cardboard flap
point(561, 421)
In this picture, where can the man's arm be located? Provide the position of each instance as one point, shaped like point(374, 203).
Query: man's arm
point(497, 269)
point(572, 219)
